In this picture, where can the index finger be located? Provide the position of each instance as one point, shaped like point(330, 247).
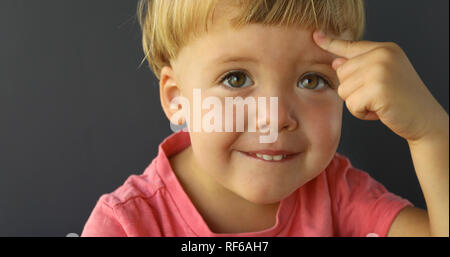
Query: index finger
point(343, 48)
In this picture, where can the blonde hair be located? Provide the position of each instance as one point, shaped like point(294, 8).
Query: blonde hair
point(168, 25)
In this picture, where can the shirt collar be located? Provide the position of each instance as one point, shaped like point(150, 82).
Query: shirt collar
point(177, 142)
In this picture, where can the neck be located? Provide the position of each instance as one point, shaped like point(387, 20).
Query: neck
point(223, 210)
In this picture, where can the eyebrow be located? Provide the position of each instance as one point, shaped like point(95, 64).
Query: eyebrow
point(228, 59)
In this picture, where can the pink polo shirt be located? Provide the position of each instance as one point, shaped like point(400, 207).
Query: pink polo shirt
point(340, 201)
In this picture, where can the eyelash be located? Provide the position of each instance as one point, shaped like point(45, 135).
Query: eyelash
point(226, 75)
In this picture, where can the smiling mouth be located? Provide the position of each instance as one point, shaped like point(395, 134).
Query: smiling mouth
point(270, 157)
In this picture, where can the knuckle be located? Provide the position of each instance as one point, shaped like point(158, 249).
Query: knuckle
point(352, 105)
point(349, 103)
point(340, 71)
point(383, 53)
point(341, 91)
point(389, 50)
point(392, 46)
point(349, 46)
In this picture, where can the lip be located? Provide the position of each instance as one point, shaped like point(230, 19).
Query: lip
point(271, 152)
point(288, 155)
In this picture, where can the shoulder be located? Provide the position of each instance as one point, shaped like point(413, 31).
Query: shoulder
point(361, 204)
point(341, 167)
point(136, 186)
point(344, 178)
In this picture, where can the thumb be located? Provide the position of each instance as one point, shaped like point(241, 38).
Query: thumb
point(344, 48)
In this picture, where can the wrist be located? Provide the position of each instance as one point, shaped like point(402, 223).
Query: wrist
point(439, 131)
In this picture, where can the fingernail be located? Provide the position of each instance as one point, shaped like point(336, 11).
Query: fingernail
point(321, 34)
point(338, 62)
point(320, 37)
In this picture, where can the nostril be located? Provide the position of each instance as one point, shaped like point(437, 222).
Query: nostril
point(264, 127)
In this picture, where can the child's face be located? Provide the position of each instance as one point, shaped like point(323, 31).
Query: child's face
point(309, 119)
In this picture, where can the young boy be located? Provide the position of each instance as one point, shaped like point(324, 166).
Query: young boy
point(222, 183)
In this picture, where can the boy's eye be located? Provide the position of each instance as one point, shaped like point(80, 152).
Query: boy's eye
point(312, 81)
point(235, 79)
point(239, 79)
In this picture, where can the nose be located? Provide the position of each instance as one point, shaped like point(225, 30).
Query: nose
point(285, 118)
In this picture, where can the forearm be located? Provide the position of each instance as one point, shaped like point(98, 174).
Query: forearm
point(430, 157)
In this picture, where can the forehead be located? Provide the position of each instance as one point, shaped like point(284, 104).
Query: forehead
point(257, 42)
point(275, 48)
point(263, 43)
point(273, 45)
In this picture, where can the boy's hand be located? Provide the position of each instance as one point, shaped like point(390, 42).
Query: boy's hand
point(377, 81)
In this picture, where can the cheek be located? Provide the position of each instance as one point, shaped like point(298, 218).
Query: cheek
point(322, 123)
point(212, 150)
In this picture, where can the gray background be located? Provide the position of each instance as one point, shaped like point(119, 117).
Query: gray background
point(78, 115)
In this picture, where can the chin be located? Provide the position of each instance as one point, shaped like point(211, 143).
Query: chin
point(264, 196)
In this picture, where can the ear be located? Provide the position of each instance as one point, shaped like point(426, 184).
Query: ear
point(168, 90)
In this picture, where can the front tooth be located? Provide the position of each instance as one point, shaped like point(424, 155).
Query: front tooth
point(267, 157)
point(277, 157)
point(259, 155)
